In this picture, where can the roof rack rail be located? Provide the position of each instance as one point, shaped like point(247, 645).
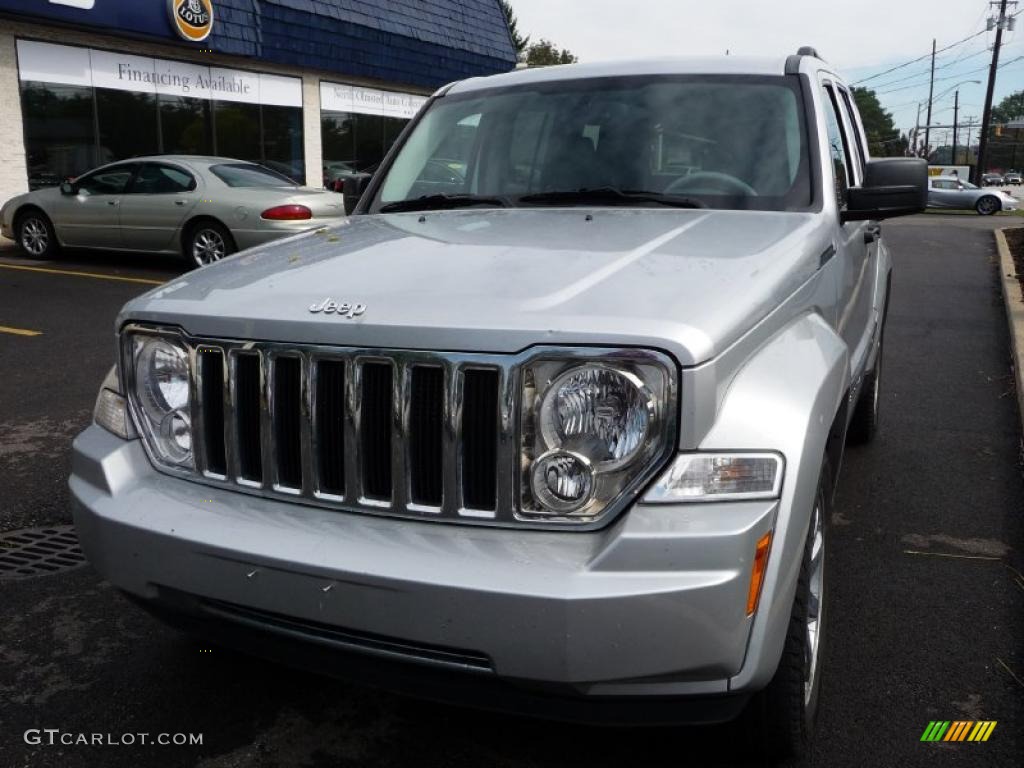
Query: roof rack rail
point(808, 50)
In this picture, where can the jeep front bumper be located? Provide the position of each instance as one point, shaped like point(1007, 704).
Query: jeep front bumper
point(652, 606)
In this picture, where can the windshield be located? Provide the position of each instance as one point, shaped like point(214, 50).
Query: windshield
point(717, 142)
point(249, 175)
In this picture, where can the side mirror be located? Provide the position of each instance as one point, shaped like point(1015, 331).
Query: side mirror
point(355, 187)
point(67, 188)
point(893, 186)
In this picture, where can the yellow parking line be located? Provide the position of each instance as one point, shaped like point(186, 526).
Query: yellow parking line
point(96, 275)
point(19, 331)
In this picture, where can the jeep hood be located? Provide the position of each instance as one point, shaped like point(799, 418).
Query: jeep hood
point(690, 282)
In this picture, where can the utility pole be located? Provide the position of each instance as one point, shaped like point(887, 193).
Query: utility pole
point(931, 90)
point(986, 117)
point(956, 114)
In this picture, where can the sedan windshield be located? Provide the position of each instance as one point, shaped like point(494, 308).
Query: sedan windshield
point(689, 142)
point(249, 175)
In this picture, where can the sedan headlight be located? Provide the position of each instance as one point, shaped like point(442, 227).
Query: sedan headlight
point(593, 430)
point(160, 394)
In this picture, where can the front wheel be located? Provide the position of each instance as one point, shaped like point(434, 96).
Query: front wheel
point(781, 717)
point(35, 235)
point(988, 205)
point(208, 242)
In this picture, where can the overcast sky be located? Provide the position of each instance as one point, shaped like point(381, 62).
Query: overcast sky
point(862, 38)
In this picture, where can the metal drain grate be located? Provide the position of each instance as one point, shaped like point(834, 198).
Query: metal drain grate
point(39, 552)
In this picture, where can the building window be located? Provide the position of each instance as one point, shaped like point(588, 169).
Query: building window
point(283, 144)
point(338, 137)
point(127, 124)
point(59, 132)
point(238, 130)
point(185, 126)
point(369, 142)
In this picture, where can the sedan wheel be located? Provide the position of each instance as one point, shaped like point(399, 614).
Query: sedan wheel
point(34, 236)
point(209, 243)
point(987, 205)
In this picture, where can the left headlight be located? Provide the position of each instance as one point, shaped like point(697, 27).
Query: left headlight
point(160, 393)
point(592, 431)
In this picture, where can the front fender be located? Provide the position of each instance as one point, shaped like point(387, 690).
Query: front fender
point(785, 398)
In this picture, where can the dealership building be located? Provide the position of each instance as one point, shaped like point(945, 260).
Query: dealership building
point(302, 86)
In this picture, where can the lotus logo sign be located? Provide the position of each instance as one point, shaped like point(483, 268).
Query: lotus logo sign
point(191, 19)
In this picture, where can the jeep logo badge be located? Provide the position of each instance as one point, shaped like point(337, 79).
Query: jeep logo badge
point(341, 308)
point(191, 19)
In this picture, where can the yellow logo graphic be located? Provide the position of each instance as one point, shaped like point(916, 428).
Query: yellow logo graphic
point(192, 19)
point(958, 730)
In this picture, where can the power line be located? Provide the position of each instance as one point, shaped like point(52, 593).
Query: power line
point(926, 72)
point(929, 55)
point(920, 58)
point(948, 77)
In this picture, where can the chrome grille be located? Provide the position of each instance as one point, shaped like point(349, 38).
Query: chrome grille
point(418, 434)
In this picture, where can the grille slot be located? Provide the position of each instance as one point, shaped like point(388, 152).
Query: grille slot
point(211, 375)
point(480, 427)
point(330, 426)
point(426, 434)
point(375, 428)
point(287, 405)
point(247, 417)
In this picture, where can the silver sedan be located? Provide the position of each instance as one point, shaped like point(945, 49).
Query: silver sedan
point(951, 192)
point(203, 208)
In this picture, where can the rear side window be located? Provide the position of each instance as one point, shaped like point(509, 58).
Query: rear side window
point(162, 180)
point(249, 175)
point(836, 147)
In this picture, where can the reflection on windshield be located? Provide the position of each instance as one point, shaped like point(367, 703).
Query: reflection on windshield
point(720, 142)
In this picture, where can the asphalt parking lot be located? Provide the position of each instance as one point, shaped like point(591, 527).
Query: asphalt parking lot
point(927, 591)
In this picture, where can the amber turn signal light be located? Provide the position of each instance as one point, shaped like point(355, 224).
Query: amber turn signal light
point(757, 574)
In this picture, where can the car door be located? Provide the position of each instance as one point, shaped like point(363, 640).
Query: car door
point(89, 218)
point(942, 193)
point(155, 205)
point(855, 239)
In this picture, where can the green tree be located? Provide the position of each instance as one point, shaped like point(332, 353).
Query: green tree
point(884, 139)
point(518, 41)
point(1010, 108)
point(545, 53)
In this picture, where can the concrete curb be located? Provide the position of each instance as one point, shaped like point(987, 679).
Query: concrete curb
point(1013, 298)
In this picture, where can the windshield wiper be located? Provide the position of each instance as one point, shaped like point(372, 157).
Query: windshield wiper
point(441, 202)
point(610, 196)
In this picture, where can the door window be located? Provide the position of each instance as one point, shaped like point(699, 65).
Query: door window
point(836, 147)
point(155, 179)
point(107, 181)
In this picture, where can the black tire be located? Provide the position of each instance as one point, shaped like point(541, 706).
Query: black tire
point(988, 205)
point(780, 719)
point(864, 423)
point(35, 235)
point(205, 242)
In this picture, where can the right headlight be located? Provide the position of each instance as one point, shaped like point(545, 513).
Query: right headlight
point(159, 389)
point(593, 431)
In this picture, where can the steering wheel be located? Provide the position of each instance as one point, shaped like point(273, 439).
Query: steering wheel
point(710, 183)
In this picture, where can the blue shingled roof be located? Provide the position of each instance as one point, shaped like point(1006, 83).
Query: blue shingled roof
point(416, 42)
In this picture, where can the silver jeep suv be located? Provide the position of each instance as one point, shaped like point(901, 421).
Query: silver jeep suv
point(553, 430)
